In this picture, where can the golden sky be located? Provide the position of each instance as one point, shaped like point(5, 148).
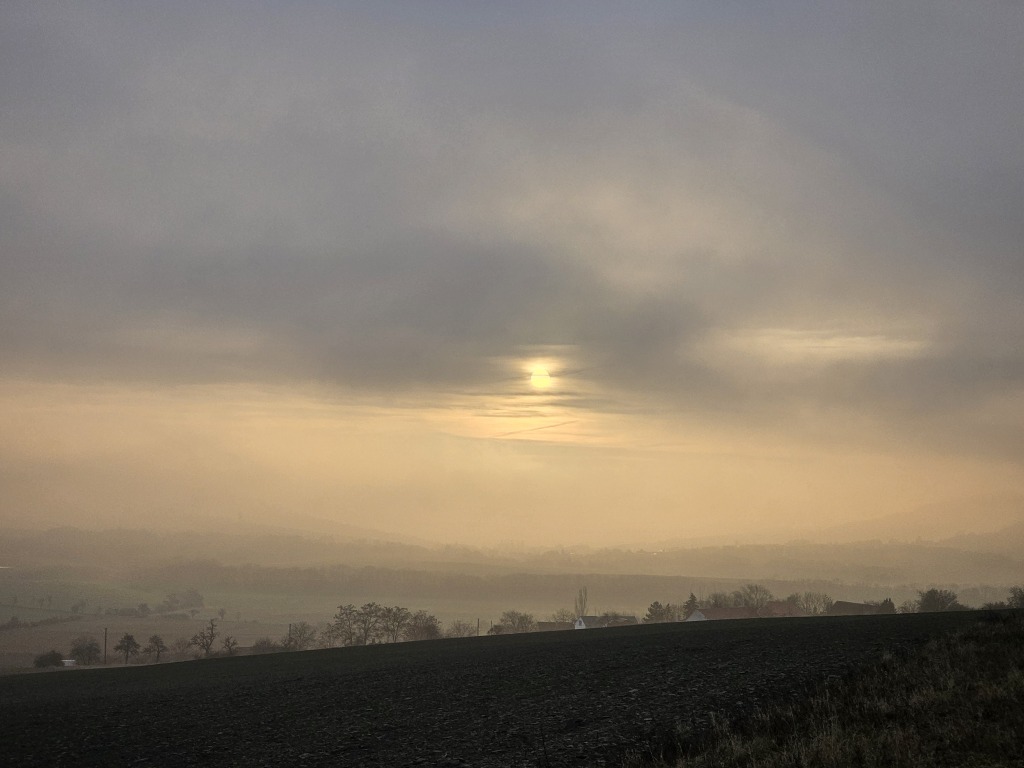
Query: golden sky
point(547, 276)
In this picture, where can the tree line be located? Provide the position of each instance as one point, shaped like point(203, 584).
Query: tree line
point(373, 623)
point(757, 597)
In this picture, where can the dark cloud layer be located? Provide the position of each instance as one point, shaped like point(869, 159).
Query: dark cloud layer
point(391, 199)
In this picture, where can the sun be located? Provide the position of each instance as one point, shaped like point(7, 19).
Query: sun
point(540, 378)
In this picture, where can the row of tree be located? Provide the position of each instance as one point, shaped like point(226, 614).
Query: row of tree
point(757, 596)
point(85, 649)
point(374, 623)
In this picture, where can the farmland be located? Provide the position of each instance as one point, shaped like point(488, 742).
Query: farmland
point(555, 699)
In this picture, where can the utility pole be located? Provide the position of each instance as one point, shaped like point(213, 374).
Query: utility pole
point(104, 646)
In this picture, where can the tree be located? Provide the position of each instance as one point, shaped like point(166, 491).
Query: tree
point(301, 637)
point(265, 645)
point(344, 627)
point(51, 659)
point(222, 612)
point(936, 600)
point(517, 621)
point(422, 626)
point(580, 605)
point(156, 645)
point(690, 605)
point(1016, 599)
point(393, 622)
point(460, 628)
point(204, 640)
point(368, 623)
point(181, 647)
point(563, 615)
point(128, 645)
point(85, 649)
point(719, 600)
point(326, 634)
point(814, 603)
point(659, 614)
point(755, 596)
point(229, 644)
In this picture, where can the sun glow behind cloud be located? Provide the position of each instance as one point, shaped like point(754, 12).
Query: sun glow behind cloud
point(324, 272)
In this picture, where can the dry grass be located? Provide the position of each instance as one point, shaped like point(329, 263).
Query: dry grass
point(956, 701)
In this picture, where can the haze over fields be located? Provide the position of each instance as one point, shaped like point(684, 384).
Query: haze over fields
point(547, 275)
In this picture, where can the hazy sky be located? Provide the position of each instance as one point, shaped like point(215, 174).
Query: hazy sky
point(301, 263)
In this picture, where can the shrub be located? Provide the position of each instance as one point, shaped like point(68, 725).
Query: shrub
point(265, 645)
point(50, 659)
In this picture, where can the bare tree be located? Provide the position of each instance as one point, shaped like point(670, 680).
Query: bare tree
point(156, 646)
point(719, 600)
point(393, 622)
point(814, 603)
point(204, 640)
point(301, 637)
point(755, 596)
point(423, 626)
point(181, 647)
point(460, 628)
point(368, 623)
point(128, 645)
point(344, 626)
point(229, 644)
point(517, 621)
point(580, 605)
point(326, 634)
point(563, 615)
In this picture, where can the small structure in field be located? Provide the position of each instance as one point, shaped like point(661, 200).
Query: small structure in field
point(69, 662)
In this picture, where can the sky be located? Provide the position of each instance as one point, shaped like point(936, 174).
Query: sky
point(530, 274)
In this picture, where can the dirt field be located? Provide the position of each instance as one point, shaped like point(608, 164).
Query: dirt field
point(551, 699)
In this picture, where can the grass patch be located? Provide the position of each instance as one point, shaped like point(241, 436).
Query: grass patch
point(955, 701)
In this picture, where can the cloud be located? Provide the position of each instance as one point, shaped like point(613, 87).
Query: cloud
point(734, 218)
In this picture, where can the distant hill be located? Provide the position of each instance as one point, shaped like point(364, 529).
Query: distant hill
point(993, 559)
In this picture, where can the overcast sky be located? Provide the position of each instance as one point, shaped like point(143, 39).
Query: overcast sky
point(295, 263)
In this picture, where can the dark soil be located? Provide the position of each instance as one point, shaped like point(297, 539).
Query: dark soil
point(578, 698)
